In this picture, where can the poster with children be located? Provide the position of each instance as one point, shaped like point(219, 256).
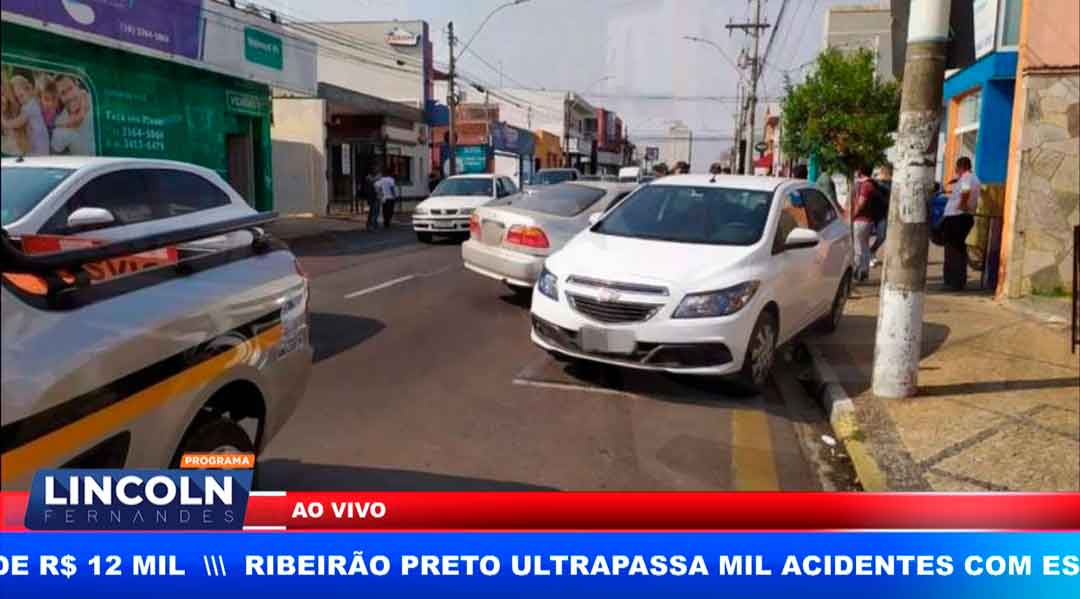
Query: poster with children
point(45, 112)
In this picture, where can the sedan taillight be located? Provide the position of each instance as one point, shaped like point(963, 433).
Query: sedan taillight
point(533, 237)
point(474, 226)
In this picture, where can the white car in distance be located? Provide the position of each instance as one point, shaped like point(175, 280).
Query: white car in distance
point(697, 274)
point(447, 210)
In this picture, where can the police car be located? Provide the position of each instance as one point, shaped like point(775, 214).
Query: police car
point(141, 324)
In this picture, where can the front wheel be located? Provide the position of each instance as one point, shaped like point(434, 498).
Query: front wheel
point(832, 321)
point(760, 354)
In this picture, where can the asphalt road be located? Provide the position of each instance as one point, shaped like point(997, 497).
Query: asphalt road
point(425, 379)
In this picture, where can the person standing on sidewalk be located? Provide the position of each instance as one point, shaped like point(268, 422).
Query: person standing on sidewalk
point(388, 194)
point(862, 221)
point(958, 221)
point(371, 194)
point(881, 226)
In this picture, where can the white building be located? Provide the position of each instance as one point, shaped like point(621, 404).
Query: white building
point(868, 27)
point(375, 82)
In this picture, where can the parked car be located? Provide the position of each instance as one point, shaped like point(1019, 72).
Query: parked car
point(446, 211)
point(112, 198)
point(510, 238)
point(197, 349)
point(551, 176)
point(697, 275)
point(630, 174)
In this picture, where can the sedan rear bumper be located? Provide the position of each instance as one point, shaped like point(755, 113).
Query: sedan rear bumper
point(513, 268)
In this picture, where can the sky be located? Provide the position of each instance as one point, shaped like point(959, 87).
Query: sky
point(613, 51)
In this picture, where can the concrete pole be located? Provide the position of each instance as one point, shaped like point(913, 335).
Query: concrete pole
point(898, 345)
point(755, 70)
point(451, 102)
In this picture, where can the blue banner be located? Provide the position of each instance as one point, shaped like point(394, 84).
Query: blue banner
point(278, 564)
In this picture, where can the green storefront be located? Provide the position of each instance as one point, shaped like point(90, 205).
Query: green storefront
point(137, 105)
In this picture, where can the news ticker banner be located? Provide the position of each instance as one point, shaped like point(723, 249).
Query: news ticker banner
point(72, 532)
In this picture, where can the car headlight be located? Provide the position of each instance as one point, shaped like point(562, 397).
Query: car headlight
point(420, 211)
point(716, 303)
point(548, 284)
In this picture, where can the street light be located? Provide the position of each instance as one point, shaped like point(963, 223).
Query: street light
point(717, 47)
point(484, 22)
point(598, 82)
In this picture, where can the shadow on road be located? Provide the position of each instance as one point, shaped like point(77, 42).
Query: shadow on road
point(332, 334)
point(349, 243)
point(995, 386)
point(295, 475)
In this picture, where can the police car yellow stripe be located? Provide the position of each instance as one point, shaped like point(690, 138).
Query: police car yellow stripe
point(48, 449)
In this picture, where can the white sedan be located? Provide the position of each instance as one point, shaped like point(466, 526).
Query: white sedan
point(697, 275)
point(446, 211)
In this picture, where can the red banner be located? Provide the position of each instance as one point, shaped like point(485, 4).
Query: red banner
point(617, 511)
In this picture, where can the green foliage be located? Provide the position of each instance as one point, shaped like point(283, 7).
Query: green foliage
point(842, 112)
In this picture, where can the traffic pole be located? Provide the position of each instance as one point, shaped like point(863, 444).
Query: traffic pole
point(898, 343)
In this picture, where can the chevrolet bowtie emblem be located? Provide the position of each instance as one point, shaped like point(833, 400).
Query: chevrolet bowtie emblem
point(608, 295)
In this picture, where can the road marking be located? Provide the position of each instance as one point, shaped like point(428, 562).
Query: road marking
point(398, 281)
point(754, 460)
point(572, 387)
point(380, 286)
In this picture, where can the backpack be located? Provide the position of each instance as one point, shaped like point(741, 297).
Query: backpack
point(878, 207)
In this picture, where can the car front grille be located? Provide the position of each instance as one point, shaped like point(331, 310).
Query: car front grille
point(618, 286)
point(444, 212)
point(613, 311)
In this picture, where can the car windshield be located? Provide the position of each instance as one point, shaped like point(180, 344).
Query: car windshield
point(24, 187)
point(552, 177)
point(709, 215)
point(565, 199)
point(463, 187)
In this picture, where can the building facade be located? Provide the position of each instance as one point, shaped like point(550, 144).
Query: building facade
point(185, 81)
point(369, 114)
point(867, 27)
point(1042, 194)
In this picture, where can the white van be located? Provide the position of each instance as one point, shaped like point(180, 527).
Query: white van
point(630, 174)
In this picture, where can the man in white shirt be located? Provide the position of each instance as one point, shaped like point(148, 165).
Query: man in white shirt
point(386, 189)
point(958, 221)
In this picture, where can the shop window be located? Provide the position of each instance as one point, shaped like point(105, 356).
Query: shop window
point(1009, 23)
point(966, 130)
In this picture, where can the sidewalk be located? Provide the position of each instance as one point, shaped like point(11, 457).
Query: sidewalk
point(998, 401)
point(293, 227)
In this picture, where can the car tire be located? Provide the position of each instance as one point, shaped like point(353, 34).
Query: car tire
point(423, 237)
point(217, 435)
point(830, 323)
point(760, 354)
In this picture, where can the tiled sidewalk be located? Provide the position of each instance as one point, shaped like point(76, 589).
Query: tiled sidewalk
point(998, 407)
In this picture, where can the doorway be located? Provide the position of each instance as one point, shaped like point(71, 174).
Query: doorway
point(241, 165)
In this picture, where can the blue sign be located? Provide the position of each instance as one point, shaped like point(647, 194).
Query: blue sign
point(578, 564)
point(507, 138)
point(470, 159)
point(138, 500)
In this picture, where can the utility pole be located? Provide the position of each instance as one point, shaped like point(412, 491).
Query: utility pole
point(451, 102)
point(735, 155)
point(898, 344)
point(755, 30)
point(690, 150)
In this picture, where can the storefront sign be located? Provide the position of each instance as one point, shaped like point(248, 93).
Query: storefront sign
point(512, 139)
point(398, 36)
point(251, 47)
point(263, 48)
point(249, 104)
point(986, 13)
point(163, 25)
point(470, 159)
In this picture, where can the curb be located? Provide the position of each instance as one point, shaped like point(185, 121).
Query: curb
point(840, 410)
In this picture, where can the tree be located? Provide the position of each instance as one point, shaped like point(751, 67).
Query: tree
point(841, 112)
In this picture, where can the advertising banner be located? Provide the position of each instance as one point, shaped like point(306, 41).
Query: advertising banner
point(508, 138)
point(171, 26)
point(178, 533)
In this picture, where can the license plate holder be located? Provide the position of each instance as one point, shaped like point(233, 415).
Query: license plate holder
point(607, 341)
point(442, 225)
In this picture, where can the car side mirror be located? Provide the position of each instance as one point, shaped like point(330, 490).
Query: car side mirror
point(801, 238)
point(595, 218)
point(89, 218)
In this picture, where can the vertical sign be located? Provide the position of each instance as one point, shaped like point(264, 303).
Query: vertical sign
point(986, 13)
point(346, 162)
